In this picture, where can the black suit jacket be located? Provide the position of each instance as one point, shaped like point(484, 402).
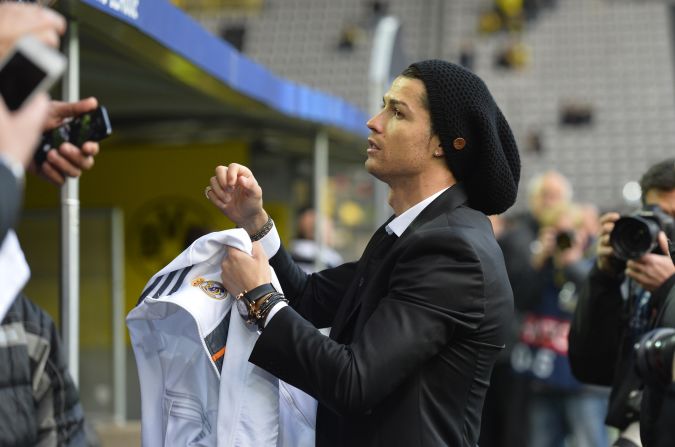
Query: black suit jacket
point(10, 200)
point(414, 334)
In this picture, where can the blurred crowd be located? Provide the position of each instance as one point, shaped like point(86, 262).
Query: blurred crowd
point(589, 363)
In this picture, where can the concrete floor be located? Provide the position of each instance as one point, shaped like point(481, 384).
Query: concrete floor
point(114, 435)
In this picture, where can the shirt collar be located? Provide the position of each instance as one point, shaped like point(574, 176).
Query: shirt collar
point(399, 224)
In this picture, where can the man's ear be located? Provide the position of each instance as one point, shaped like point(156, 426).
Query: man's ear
point(435, 145)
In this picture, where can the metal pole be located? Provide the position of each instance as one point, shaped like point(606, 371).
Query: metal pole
point(320, 181)
point(70, 225)
point(119, 346)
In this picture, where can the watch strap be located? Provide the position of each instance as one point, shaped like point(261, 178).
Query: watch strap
point(258, 292)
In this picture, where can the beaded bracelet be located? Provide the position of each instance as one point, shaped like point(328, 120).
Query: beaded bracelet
point(266, 307)
point(262, 232)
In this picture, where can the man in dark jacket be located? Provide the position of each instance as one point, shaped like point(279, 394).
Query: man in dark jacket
point(39, 403)
point(419, 320)
point(621, 301)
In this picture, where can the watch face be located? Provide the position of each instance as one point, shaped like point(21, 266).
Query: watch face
point(242, 308)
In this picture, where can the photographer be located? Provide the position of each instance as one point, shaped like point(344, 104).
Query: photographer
point(561, 408)
point(39, 403)
point(620, 302)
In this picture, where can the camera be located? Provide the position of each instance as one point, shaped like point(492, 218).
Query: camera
point(90, 126)
point(636, 235)
point(654, 356)
point(564, 240)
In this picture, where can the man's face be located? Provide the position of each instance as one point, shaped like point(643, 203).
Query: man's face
point(400, 143)
point(664, 199)
point(553, 193)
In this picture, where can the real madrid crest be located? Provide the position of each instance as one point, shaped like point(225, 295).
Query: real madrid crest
point(214, 289)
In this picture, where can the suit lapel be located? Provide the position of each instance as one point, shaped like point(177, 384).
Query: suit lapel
point(446, 202)
point(347, 306)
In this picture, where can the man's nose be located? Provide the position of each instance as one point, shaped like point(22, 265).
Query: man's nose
point(374, 123)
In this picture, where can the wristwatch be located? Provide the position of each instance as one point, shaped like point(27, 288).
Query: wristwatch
point(246, 302)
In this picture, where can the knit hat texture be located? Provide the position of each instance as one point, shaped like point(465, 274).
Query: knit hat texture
point(476, 139)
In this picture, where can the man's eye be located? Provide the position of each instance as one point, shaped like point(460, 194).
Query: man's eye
point(397, 113)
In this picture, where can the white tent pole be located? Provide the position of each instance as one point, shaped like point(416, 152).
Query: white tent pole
point(70, 224)
point(119, 329)
point(320, 183)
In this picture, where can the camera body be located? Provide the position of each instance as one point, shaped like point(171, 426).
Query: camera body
point(636, 235)
point(90, 126)
point(564, 240)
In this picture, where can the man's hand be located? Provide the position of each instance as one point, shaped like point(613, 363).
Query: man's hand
point(235, 191)
point(543, 247)
point(573, 254)
point(605, 254)
point(242, 272)
point(67, 160)
point(19, 19)
point(20, 130)
point(652, 270)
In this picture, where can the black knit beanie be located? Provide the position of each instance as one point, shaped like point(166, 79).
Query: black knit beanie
point(476, 139)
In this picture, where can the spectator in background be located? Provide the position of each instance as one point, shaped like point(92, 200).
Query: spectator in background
point(304, 249)
point(39, 404)
point(620, 302)
point(509, 397)
point(560, 408)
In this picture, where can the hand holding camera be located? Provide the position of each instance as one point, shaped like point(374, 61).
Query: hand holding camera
point(562, 238)
point(637, 245)
point(636, 235)
point(73, 129)
point(26, 72)
point(652, 269)
point(606, 261)
point(70, 144)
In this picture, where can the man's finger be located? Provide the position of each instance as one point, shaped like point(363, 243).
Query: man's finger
point(52, 175)
point(61, 109)
point(75, 156)
point(63, 164)
point(663, 243)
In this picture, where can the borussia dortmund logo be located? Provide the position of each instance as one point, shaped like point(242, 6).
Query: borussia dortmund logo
point(163, 227)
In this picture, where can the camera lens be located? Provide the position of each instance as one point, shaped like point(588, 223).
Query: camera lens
point(633, 237)
point(654, 355)
point(563, 240)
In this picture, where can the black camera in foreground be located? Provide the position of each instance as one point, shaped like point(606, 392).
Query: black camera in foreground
point(636, 235)
point(654, 356)
point(90, 126)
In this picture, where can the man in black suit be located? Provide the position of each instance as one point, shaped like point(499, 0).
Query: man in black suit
point(418, 321)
